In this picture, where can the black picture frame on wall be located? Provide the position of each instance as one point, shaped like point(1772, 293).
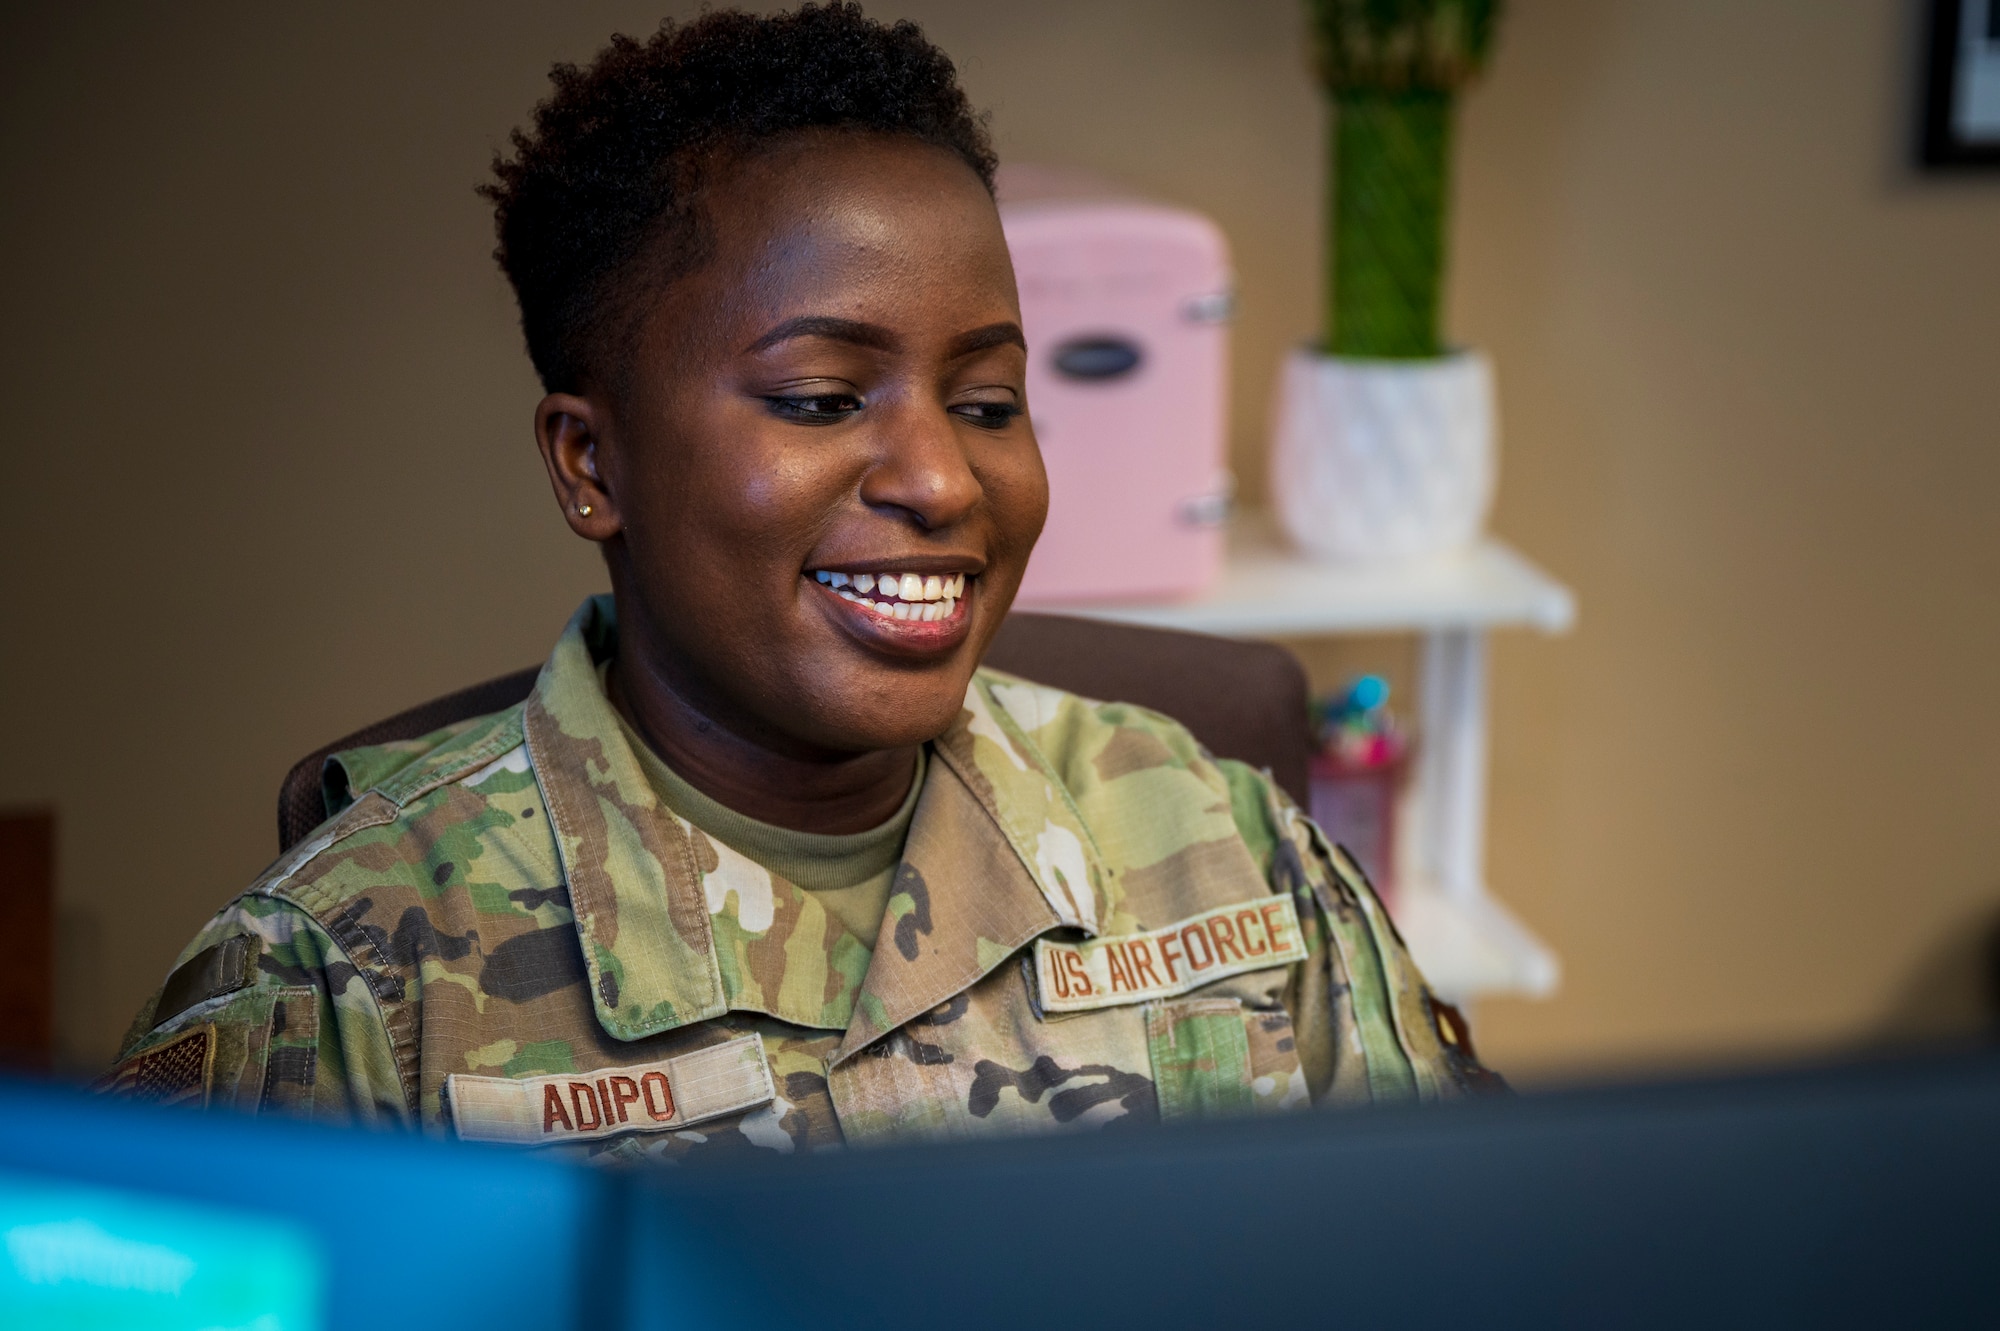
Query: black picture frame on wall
point(1961, 112)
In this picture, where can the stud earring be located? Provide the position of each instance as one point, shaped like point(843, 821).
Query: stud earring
point(583, 510)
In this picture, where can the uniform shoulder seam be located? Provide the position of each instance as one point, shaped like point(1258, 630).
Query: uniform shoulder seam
point(326, 909)
point(329, 913)
point(356, 817)
point(449, 763)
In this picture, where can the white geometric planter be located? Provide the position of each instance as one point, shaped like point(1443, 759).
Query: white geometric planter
point(1376, 460)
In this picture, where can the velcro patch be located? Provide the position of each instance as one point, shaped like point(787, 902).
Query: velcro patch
point(1134, 968)
point(582, 1107)
point(210, 973)
point(176, 1073)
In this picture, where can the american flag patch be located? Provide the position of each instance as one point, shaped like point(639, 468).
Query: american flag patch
point(176, 1073)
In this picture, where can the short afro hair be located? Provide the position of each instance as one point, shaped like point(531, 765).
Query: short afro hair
point(598, 207)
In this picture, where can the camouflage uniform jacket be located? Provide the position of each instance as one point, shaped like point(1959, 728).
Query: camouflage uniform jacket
point(1081, 931)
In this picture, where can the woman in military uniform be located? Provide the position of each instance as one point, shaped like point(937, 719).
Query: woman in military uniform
point(765, 860)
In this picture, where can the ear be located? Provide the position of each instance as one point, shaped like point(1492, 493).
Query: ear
point(567, 431)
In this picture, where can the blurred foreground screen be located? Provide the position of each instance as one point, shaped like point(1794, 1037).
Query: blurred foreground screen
point(1858, 1196)
point(125, 1215)
point(90, 1258)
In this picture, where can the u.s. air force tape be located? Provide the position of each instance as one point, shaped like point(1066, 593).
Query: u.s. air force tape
point(584, 1106)
point(1160, 963)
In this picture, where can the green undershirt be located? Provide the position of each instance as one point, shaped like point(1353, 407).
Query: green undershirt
point(850, 875)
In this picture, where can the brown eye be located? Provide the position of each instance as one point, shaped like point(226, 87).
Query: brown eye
point(987, 415)
point(814, 408)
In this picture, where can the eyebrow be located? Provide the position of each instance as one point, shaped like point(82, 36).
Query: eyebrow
point(877, 338)
point(980, 339)
point(873, 336)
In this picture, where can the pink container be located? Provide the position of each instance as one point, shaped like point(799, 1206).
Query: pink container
point(1356, 808)
point(1124, 303)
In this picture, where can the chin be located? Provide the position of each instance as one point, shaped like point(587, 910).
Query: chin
point(891, 728)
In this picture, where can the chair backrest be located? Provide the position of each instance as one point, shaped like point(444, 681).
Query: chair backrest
point(1244, 700)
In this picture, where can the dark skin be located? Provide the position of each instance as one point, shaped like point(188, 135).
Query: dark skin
point(839, 387)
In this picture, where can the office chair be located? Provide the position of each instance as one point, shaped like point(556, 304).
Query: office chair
point(1244, 700)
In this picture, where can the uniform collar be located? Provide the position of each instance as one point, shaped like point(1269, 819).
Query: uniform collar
point(997, 854)
point(641, 917)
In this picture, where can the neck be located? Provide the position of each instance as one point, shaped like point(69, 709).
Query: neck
point(830, 793)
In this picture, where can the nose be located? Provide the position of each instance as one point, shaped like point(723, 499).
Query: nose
point(922, 469)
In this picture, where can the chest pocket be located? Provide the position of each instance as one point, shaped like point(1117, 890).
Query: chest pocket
point(1214, 1056)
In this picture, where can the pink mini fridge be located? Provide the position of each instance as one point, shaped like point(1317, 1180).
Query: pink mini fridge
point(1125, 303)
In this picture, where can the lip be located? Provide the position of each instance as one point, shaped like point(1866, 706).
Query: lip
point(912, 639)
point(941, 565)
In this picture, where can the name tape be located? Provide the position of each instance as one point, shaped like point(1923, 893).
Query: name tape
point(584, 1106)
point(1132, 968)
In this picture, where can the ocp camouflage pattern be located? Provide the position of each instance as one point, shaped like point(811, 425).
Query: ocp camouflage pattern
point(507, 897)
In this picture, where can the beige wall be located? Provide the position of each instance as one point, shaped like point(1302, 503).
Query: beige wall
point(269, 474)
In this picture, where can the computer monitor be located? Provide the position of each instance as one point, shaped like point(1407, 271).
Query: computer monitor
point(1858, 1196)
point(123, 1215)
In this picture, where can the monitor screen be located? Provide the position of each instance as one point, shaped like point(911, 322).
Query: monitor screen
point(1859, 1196)
point(110, 1207)
point(84, 1258)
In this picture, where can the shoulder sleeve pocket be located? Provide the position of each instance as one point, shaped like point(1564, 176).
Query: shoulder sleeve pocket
point(257, 1051)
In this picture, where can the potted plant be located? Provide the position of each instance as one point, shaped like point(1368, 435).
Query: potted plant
point(1384, 443)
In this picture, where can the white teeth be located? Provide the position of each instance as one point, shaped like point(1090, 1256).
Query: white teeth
point(913, 590)
point(924, 612)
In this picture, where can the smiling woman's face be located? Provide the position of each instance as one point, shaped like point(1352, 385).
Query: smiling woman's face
point(820, 488)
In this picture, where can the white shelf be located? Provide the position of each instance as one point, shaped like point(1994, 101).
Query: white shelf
point(1268, 590)
point(1471, 945)
point(1466, 942)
